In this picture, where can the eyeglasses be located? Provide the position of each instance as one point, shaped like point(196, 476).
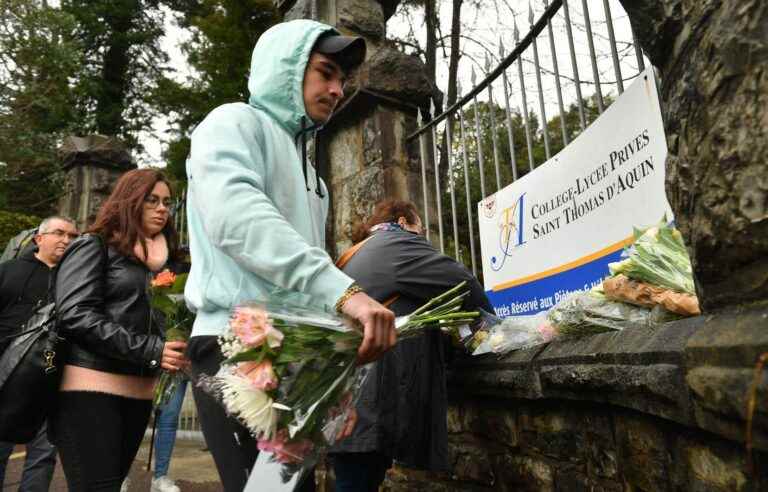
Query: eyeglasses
point(153, 201)
point(60, 233)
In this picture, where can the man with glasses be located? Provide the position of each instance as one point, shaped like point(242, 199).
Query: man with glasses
point(23, 286)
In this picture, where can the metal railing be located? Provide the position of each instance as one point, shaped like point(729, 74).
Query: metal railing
point(469, 156)
point(189, 422)
point(179, 217)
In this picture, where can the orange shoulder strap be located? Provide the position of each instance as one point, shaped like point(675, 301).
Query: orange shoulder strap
point(348, 254)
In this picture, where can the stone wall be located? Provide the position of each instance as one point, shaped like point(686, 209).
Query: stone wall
point(372, 161)
point(87, 189)
point(568, 446)
point(638, 410)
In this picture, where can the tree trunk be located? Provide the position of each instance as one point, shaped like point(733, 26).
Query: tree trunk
point(453, 64)
point(110, 99)
point(430, 15)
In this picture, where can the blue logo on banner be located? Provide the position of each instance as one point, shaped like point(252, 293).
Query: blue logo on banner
point(511, 233)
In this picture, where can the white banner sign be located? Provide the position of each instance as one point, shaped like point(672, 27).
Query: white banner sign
point(555, 230)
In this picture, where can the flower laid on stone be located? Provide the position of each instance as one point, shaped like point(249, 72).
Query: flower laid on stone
point(656, 272)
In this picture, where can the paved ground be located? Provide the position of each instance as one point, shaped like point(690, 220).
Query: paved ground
point(191, 466)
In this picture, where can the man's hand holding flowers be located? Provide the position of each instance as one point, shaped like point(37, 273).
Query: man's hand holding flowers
point(378, 324)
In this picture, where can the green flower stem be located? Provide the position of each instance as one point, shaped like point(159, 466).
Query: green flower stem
point(463, 314)
point(439, 299)
point(441, 321)
point(451, 305)
point(440, 316)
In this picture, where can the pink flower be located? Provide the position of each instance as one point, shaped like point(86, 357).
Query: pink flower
point(253, 327)
point(284, 451)
point(260, 375)
point(548, 332)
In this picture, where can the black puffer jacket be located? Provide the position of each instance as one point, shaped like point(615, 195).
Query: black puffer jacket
point(103, 305)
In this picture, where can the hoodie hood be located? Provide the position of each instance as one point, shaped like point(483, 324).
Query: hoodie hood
point(278, 64)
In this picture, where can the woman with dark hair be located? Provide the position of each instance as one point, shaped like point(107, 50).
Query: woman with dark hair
point(115, 351)
point(402, 408)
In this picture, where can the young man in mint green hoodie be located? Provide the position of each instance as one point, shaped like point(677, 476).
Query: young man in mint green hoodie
point(257, 212)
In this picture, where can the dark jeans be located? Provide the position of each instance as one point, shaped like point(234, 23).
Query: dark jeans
point(233, 448)
point(38, 465)
point(359, 472)
point(98, 436)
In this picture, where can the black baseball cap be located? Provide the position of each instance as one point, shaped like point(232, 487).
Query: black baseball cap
point(347, 51)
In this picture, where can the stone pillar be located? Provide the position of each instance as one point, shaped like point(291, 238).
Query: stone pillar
point(364, 155)
point(714, 94)
point(92, 165)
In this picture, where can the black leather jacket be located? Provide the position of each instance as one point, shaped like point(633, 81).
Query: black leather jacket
point(104, 312)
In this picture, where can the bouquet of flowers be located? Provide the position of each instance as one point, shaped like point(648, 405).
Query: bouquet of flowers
point(658, 257)
point(512, 333)
point(590, 312)
point(657, 272)
point(290, 374)
point(167, 297)
point(577, 315)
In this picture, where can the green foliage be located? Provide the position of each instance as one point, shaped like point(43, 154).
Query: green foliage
point(12, 223)
point(95, 66)
point(38, 59)
point(179, 284)
point(219, 53)
point(122, 65)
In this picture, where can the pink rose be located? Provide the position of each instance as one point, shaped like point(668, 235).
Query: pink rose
point(253, 327)
point(284, 451)
point(261, 375)
point(548, 332)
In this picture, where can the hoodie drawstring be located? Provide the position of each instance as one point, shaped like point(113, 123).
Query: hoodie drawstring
point(303, 135)
point(316, 145)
